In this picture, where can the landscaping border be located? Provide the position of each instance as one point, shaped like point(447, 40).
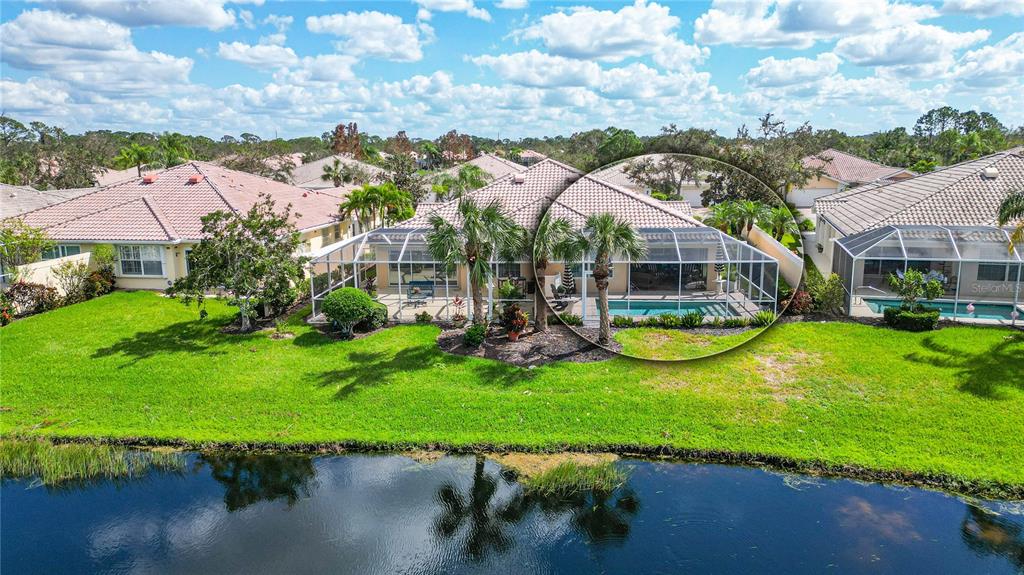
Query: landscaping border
point(936, 481)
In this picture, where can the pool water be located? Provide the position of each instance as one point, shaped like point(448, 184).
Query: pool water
point(646, 307)
point(267, 513)
point(981, 310)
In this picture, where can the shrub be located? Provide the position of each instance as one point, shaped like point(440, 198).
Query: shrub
point(28, 298)
point(508, 290)
point(806, 226)
point(671, 320)
point(103, 256)
point(800, 304)
point(913, 285)
point(72, 277)
point(827, 293)
point(346, 307)
point(475, 335)
point(650, 321)
point(459, 305)
point(509, 314)
point(622, 321)
point(763, 318)
point(424, 317)
point(376, 319)
point(99, 282)
point(692, 319)
point(570, 319)
point(716, 322)
point(918, 319)
point(6, 311)
point(734, 322)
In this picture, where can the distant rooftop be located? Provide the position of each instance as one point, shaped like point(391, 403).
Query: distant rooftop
point(851, 169)
point(17, 200)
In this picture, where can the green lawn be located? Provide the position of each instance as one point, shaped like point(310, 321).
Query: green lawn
point(674, 344)
point(137, 365)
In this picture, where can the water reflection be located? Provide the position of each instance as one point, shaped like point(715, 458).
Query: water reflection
point(235, 512)
point(989, 534)
point(251, 478)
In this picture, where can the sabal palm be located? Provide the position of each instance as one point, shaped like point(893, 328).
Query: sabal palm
point(549, 243)
point(1011, 211)
point(779, 220)
point(483, 233)
point(467, 179)
point(135, 155)
point(606, 237)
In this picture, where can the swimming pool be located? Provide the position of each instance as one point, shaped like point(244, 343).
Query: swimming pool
point(658, 307)
point(981, 310)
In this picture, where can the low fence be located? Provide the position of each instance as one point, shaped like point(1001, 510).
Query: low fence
point(791, 266)
point(41, 272)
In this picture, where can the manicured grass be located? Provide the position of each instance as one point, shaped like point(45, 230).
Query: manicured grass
point(674, 344)
point(138, 365)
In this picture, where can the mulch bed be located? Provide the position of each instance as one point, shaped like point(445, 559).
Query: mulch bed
point(557, 343)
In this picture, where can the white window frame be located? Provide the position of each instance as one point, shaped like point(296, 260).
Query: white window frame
point(163, 261)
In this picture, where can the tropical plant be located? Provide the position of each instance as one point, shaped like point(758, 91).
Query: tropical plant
point(691, 319)
point(72, 278)
point(466, 179)
point(750, 212)
point(475, 335)
point(348, 306)
point(21, 244)
point(606, 237)
point(725, 217)
point(827, 293)
point(134, 155)
point(1012, 210)
point(424, 317)
point(570, 319)
point(548, 243)
point(378, 204)
point(763, 318)
point(484, 233)
point(173, 149)
point(249, 255)
point(779, 221)
point(912, 285)
point(431, 153)
point(339, 173)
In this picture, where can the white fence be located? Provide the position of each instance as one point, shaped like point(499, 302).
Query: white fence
point(791, 266)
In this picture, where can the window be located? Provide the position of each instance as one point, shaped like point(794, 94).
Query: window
point(507, 270)
point(992, 272)
point(141, 260)
point(62, 251)
point(188, 262)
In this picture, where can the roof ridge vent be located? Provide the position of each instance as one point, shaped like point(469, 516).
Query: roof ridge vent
point(519, 178)
point(195, 178)
point(149, 178)
point(990, 173)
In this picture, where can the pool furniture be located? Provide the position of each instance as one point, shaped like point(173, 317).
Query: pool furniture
point(419, 291)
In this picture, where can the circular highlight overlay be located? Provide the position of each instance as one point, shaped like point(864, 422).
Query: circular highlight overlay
point(668, 257)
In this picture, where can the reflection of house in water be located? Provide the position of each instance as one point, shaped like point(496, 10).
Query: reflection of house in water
point(989, 534)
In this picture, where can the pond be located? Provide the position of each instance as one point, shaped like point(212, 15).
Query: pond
point(243, 513)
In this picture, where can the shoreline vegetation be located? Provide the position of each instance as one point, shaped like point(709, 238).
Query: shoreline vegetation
point(549, 470)
point(837, 399)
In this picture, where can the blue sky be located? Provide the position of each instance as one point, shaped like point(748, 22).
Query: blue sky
point(512, 68)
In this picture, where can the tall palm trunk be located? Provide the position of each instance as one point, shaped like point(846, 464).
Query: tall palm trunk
point(479, 313)
point(540, 305)
point(600, 274)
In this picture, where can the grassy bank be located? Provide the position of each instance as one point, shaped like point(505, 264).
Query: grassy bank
point(132, 365)
point(675, 344)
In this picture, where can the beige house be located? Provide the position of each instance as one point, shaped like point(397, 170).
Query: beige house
point(944, 222)
point(841, 171)
point(154, 221)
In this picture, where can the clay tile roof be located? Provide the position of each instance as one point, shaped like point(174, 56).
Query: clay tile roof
point(171, 208)
point(958, 195)
point(309, 175)
point(17, 200)
point(850, 169)
point(496, 166)
point(591, 195)
point(525, 201)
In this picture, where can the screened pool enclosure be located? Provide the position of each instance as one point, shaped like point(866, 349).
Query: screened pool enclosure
point(974, 264)
point(685, 269)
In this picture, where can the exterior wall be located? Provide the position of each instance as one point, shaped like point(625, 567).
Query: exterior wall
point(41, 272)
point(791, 266)
point(313, 240)
point(825, 234)
point(173, 268)
point(812, 190)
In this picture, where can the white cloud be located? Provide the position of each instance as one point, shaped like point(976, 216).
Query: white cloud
point(771, 72)
point(88, 52)
point(134, 13)
point(247, 18)
point(993, 65)
point(324, 68)
point(916, 49)
point(267, 55)
point(800, 23)
point(639, 81)
point(281, 23)
point(373, 34)
point(467, 6)
point(512, 4)
point(582, 32)
point(32, 95)
point(984, 8)
point(535, 68)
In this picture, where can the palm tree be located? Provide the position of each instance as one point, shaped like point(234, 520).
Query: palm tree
point(725, 217)
point(750, 212)
point(394, 204)
point(467, 179)
point(779, 221)
point(431, 152)
point(548, 243)
point(1012, 210)
point(361, 202)
point(606, 237)
point(134, 155)
point(484, 233)
point(173, 149)
point(339, 173)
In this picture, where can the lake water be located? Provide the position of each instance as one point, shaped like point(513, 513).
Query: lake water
point(234, 513)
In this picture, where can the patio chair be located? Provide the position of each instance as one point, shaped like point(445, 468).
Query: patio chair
point(419, 291)
point(559, 301)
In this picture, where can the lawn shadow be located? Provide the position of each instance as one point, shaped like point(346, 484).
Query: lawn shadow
point(370, 369)
point(183, 337)
point(981, 373)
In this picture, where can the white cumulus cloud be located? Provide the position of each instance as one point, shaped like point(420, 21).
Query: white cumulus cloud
point(134, 13)
point(916, 49)
point(466, 6)
point(772, 72)
point(535, 68)
point(984, 8)
point(373, 34)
